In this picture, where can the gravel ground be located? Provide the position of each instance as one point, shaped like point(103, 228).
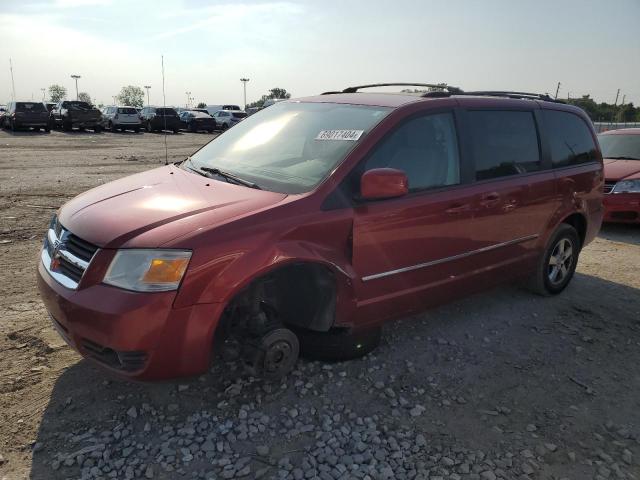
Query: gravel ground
point(502, 385)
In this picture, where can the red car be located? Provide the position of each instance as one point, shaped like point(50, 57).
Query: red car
point(621, 152)
point(313, 221)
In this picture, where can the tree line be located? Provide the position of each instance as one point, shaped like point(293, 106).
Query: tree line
point(606, 112)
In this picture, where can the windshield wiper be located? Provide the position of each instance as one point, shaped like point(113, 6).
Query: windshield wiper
point(230, 176)
point(621, 158)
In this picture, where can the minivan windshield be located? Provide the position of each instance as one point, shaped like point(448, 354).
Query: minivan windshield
point(289, 147)
point(620, 146)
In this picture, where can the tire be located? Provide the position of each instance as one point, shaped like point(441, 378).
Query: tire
point(224, 127)
point(47, 129)
point(112, 127)
point(338, 345)
point(12, 125)
point(81, 129)
point(557, 265)
point(192, 128)
point(97, 129)
point(67, 126)
point(176, 130)
point(210, 130)
point(136, 129)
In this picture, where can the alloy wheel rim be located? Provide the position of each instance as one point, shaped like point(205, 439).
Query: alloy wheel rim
point(560, 261)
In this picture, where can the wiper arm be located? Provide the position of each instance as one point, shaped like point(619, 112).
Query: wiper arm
point(621, 158)
point(230, 176)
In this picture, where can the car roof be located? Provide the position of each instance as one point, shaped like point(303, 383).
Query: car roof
point(622, 131)
point(395, 100)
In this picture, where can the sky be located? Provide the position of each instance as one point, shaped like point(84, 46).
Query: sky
point(308, 47)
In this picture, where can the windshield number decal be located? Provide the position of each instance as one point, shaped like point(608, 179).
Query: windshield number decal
point(349, 135)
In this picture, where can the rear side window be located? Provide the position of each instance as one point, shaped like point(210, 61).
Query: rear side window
point(30, 107)
point(504, 143)
point(425, 149)
point(570, 139)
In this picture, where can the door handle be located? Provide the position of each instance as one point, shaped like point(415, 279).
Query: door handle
point(489, 199)
point(458, 208)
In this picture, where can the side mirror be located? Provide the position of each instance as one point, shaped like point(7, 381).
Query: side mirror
point(383, 183)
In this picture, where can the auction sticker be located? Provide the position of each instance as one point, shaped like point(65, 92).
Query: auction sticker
point(350, 135)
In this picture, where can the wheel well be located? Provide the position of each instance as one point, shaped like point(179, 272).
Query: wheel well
point(578, 222)
point(301, 294)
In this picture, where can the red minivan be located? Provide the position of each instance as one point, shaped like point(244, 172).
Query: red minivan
point(313, 221)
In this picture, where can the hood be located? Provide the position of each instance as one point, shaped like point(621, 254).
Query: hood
point(619, 169)
point(170, 200)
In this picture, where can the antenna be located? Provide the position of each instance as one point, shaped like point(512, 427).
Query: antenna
point(13, 85)
point(164, 104)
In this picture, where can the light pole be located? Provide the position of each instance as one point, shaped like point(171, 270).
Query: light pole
point(244, 85)
point(147, 87)
point(76, 77)
point(188, 99)
point(114, 99)
point(558, 90)
point(43, 90)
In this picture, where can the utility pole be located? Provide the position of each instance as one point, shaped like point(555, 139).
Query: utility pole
point(76, 77)
point(557, 90)
point(13, 84)
point(188, 99)
point(147, 87)
point(114, 99)
point(43, 90)
point(623, 99)
point(244, 85)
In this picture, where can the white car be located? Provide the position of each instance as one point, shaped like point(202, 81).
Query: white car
point(228, 118)
point(211, 109)
point(121, 118)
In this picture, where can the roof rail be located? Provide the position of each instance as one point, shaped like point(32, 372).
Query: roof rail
point(521, 95)
point(437, 87)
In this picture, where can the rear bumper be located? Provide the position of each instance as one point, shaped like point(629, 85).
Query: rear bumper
point(135, 335)
point(622, 208)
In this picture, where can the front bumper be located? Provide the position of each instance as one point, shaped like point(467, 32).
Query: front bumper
point(135, 335)
point(622, 208)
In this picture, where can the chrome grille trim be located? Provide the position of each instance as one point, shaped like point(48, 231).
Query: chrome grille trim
point(608, 187)
point(56, 242)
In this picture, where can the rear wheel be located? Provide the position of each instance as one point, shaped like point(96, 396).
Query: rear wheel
point(112, 127)
point(136, 129)
point(67, 126)
point(558, 263)
point(176, 130)
point(97, 129)
point(224, 126)
point(148, 126)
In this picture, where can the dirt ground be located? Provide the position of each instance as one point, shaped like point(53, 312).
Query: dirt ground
point(500, 385)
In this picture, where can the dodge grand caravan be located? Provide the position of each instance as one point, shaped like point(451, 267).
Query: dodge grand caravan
point(313, 221)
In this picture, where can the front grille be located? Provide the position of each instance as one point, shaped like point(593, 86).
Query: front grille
point(129, 361)
point(65, 255)
point(608, 186)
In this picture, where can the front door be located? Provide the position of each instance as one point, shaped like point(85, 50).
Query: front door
point(405, 246)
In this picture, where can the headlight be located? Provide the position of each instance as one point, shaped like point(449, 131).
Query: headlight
point(147, 270)
point(627, 186)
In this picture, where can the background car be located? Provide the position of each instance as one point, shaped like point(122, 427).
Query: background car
point(195, 121)
point(156, 119)
point(211, 109)
point(228, 118)
point(621, 152)
point(26, 115)
point(121, 118)
point(70, 114)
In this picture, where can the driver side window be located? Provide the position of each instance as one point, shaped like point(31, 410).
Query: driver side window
point(425, 149)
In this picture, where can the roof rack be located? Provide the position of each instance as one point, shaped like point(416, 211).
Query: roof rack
point(437, 87)
point(444, 90)
point(521, 95)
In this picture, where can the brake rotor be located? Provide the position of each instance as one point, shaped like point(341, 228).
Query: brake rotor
point(280, 349)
